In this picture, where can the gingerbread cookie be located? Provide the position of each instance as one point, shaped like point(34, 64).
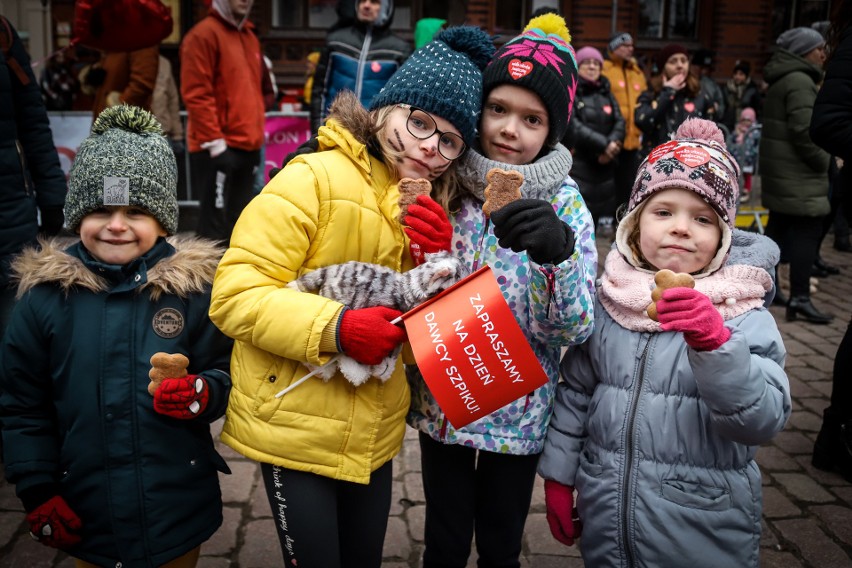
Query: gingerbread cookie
point(504, 187)
point(664, 280)
point(409, 189)
point(165, 365)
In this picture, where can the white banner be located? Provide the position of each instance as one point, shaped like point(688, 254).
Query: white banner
point(69, 131)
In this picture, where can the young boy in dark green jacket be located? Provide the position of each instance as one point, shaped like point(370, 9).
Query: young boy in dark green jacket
point(108, 472)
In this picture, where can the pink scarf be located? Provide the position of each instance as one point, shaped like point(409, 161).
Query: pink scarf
point(625, 292)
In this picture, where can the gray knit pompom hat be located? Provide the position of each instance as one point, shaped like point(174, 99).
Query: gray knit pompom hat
point(126, 160)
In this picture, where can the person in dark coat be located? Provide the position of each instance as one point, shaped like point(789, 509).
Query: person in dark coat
point(111, 468)
point(31, 179)
point(831, 129)
point(595, 136)
point(740, 92)
point(360, 55)
point(673, 96)
point(794, 170)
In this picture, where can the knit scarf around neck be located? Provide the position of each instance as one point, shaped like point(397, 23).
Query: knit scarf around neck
point(625, 292)
point(541, 178)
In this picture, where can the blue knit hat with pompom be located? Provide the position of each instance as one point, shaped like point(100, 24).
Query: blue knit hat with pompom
point(444, 78)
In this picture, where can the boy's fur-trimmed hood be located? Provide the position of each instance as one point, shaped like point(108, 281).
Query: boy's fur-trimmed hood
point(190, 270)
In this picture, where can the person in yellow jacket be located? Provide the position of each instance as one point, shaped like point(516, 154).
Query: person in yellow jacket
point(627, 82)
point(325, 447)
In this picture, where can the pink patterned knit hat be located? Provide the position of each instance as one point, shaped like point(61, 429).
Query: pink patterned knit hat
point(696, 160)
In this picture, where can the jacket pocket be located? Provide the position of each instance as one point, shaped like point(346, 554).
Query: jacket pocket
point(590, 467)
point(696, 495)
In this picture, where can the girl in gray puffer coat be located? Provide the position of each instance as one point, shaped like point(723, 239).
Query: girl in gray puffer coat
point(656, 423)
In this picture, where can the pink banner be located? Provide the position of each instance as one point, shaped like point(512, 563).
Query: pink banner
point(283, 135)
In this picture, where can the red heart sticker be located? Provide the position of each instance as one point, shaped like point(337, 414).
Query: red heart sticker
point(607, 109)
point(689, 107)
point(692, 157)
point(661, 151)
point(518, 68)
point(375, 66)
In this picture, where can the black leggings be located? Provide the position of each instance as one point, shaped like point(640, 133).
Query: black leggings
point(223, 186)
point(471, 491)
point(327, 523)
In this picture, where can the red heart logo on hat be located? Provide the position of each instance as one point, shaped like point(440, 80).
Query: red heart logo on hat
point(689, 107)
point(518, 68)
point(607, 109)
point(692, 157)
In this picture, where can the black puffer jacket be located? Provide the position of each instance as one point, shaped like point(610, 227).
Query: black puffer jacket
point(659, 114)
point(831, 122)
point(596, 122)
point(358, 57)
point(30, 175)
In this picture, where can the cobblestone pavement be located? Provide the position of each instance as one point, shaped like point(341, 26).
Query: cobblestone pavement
point(807, 520)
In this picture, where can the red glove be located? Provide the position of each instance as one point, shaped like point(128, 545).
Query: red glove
point(367, 335)
point(689, 311)
point(182, 398)
point(565, 526)
point(428, 228)
point(54, 524)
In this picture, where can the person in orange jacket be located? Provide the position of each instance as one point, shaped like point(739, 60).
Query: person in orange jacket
point(221, 74)
point(627, 82)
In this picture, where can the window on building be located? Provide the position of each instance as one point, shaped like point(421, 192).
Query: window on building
point(668, 19)
point(788, 14)
point(510, 16)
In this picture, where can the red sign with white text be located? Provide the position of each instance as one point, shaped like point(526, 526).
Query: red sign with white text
point(471, 351)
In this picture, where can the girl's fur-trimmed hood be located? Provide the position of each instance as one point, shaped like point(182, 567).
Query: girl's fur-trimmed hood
point(351, 114)
point(189, 271)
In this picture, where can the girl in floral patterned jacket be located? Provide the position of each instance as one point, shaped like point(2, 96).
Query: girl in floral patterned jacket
point(478, 479)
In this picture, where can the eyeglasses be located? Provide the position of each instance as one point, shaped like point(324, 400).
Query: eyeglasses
point(421, 125)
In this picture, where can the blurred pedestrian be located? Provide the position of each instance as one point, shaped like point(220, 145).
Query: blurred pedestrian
point(32, 184)
point(122, 77)
point(221, 77)
point(831, 129)
point(627, 82)
point(794, 170)
point(741, 92)
point(360, 55)
point(702, 66)
point(744, 144)
point(674, 94)
point(595, 137)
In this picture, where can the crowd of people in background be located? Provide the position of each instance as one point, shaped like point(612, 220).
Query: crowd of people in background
point(605, 146)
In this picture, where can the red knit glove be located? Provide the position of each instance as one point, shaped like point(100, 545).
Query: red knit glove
point(182, 398)
point(689, 311)
point(428, 228)
point(367, 335)
point(562, 517)
point(54, 524)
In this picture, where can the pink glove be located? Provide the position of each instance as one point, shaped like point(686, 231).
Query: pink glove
point(54, 524)
point(428, 228)
point(367, 335)
point(689, 311)
point(565, 526)
point(182, 398)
